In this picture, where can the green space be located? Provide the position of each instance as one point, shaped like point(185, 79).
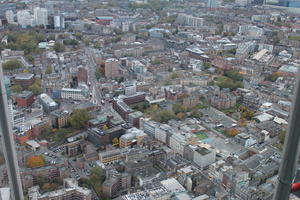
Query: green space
point(201, 136)
point(12, 64)
point(295, 37)
point(26, 41)
point(56, 135)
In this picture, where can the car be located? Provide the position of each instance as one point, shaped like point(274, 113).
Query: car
point(46, 153)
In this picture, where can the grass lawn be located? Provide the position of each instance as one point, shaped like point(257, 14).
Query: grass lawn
point(201, 136)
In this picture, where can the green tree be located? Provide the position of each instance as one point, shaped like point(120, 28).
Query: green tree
point(196, 114)
point(78, 36)
point(12, 64)
point(48, 70)
point(51, 37)
point(234, 75)
point(281, 136)
point(178, 107)
point(58, 47)
point(36, 88)
point(79, 118)
point(16, 88)
point(30, 58)
point(164, 116)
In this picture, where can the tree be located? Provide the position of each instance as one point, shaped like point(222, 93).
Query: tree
point(105, 127)
point(78, 35)
point(178, 107)
point(12, 64)
point(99, 72)
point(30, 58)
point(79, 118)
point(164, 116)
point(281, 136)
point(16, 88)
point(36, 161)
point(51, 37)
point(232, 132)
point(234, 75)
point(174, 75)
point(196, 114)
point(36, 88)
point(115, 142)
point(58, 47)
point(180, 115)
point(47, 187)
point(48, 70)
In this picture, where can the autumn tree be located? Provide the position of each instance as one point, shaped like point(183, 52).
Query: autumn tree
point(47, 187)
point(115, 141)
point(105, 127)
point(36, 161)
point(79, 118)
point(232, 132)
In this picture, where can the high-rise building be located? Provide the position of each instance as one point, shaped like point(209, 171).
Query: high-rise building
point(213, 3)
point(289, 3)
point(112, 68)
point(24, 18)
point(9, 15)
point(59, 22)
point(7, 6)
point(40, 16)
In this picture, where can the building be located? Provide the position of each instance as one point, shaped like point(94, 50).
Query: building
point(132, 136)
point(213, 3)
point(177, 143)
point(223, 100)
point(7, 6)
point(111, 156)
point(24, 80)
point(24, 99)
point(10, 17)
point(134, 118)
point(59, 22)
point(115, 182)
point(204, 157)
point(59, 118)
point(71, 93)
point(48, 104)
point(82, 75)
point(190, 20)
point(130, 88)
point(40, 16)
point(71, 191)
point(112, 68)
point(24, 18)
point(122, 108)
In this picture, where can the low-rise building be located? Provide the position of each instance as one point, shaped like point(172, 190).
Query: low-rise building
point(24, 99)
point(204, 157)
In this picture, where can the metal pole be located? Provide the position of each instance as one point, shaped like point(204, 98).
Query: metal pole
point(8, 145)
point(290, 154)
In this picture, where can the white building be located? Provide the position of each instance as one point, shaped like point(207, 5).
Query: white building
point(190, 20)
point(70, 93)
point(204, 157)
point(177, 143)
point(130, 88)
point(24, 18)
point(59, 22)
point(9, 15)
point(161, 135)
point(40, 16)
point(213, 3)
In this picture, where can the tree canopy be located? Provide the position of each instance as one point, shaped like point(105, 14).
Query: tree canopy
point(58, 47)
point(36, 161)
point(36, 88)
point(79, 118)
point(48, 70)
point(12, 64)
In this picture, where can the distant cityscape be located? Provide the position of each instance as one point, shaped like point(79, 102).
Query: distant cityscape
point(147, 99)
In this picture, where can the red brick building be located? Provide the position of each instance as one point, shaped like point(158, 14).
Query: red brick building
point(24, 80)
point(25, 99)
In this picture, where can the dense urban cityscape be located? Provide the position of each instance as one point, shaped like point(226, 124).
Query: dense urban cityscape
point(148, 99)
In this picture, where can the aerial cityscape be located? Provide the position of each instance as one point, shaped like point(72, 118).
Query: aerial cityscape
point(146, 99)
